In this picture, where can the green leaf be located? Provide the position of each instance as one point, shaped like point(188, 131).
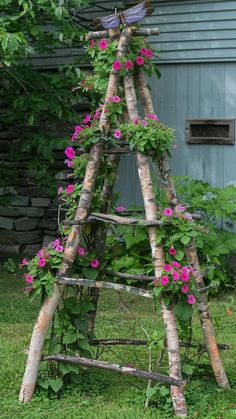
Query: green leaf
point(179, 255)
point(70, 337)
point(150, 392)
point(183, 311)
point(56, 384)
point(185, 239)
point(188, 369)
point(90, 273)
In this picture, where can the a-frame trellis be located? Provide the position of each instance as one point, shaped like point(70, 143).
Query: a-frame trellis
point(83, 216)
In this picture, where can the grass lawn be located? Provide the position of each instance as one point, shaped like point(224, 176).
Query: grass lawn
point(99, 394)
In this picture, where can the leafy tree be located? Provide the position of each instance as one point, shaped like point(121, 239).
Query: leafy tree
point(35, 100)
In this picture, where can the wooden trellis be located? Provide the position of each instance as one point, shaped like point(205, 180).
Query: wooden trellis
point(84, 216)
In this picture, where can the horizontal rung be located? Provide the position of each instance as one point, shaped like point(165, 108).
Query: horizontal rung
point(127, 370)
point(137, 342)
point(137, 32)
point(116, 150)
point(115, 219)
point(103, 284)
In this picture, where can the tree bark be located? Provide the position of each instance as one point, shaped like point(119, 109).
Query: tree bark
point(203, 310)
point(206, 322)
point(169, 320)
point(48, 308)
point(114, 367)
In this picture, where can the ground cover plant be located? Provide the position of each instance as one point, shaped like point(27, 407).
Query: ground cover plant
point(99, 394)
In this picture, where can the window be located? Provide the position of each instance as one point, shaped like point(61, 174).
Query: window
point(210, 131)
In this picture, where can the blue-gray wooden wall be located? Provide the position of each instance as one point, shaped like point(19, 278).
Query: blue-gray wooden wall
point(198, 66)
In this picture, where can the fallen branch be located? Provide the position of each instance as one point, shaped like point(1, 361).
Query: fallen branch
point(114, 367)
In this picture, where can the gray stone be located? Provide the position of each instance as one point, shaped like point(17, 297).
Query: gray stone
point(21, 211)
point(7, 223)
point(8, 190)
point(13, 249)
point(5, 145)
point(20, 200)
point(16, 237)
point(40, 202)
point(48, 223)
point(26, 224)
point(31, 249)
point(33, 191)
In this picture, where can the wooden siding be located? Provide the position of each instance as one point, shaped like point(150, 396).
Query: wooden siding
point(191, 91)
point(191, 31)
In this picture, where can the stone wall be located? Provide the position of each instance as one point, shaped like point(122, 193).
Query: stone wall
point(28, 213)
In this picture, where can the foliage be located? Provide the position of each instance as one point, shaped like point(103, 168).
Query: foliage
point(37, 101)
point(217, 241)
point(97, 394)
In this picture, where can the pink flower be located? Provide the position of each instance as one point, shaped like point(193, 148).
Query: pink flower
point(59, 249)
point(149, 53)
point(164, 280)
point(70, 188)
point(185, 270)
point(120, 209)
point(41, 262)
point(188, 216)
point(81, 251)
point(60, 190)
point(40, 254)
point(184, 277)
point(97, 114)
point(172, 251)
point(114, 99)
point(144, 123)
point(92, 43)
point(174, 146)
point(129, 65)
point(167, 267)
point(175, 275)
point(78, 128)
point(86, 119)
point(94, 263)
point(102, 44)
point(69, 163)
point(117, 133)
point(180, 208)
point(24, 262)
point(143, 51)
point(117, 65)
point(28, 278)
point(191, 299)
point(176, 264)
point(139, 61)
point(168, 212)
point(136, 121)
point(155, 282)
point(185, 289)
point(70, 153)
point(152, 116)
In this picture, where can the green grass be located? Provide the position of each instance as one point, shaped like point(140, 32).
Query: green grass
point(99, 394)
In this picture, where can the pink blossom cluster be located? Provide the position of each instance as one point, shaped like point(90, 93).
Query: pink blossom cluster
point(181, 275)
point(146, 52)
point(179, 212)
point(149, 117)
point(94, 263)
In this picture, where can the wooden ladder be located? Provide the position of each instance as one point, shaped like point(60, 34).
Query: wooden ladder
point(83, 216)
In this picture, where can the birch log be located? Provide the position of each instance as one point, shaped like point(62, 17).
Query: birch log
point(203, 310)
point(48, 308)
point(178, 399)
